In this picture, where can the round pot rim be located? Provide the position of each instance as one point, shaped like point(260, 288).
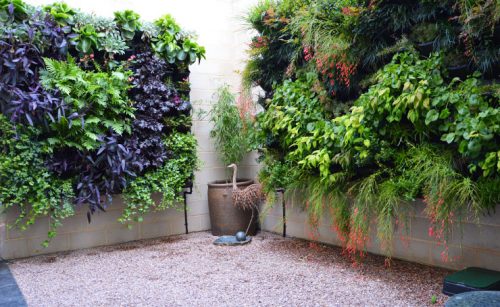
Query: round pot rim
point(425, 44)
point(458, 67)
point(223, 184)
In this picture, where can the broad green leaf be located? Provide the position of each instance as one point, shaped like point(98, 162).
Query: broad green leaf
point(448, 137)
point(432, 115)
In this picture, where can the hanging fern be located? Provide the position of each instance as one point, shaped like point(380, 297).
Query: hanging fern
point(97, 103)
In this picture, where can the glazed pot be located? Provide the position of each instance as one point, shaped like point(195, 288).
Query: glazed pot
point(225, 218)
point(425, 48)
point(493, 74)
point(460, 71)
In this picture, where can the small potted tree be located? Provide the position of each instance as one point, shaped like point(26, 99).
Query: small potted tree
point(232, 140)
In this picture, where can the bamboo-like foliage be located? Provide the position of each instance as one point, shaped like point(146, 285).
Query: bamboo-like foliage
point(229, 133)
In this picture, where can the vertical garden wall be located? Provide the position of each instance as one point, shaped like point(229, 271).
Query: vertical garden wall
point(372, 105)
point(92, 107)
point(219, 30)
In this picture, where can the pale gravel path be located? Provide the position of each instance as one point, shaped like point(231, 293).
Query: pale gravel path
point(188, 270)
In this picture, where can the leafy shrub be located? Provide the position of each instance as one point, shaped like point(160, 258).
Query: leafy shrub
point(169, 179)
point(175, 46)
point(421, 77)
point(87, 39)
point(26, 182)
point(61, 12)
point(128, 22)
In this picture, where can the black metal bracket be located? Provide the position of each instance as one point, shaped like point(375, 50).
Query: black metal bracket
point(282, 191)
point(184, 195)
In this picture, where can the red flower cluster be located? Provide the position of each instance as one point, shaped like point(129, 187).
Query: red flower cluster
point(341, 234)
point(336, 70)
point(346, 10)
point(439, 226)
point(469, 44)
point(308, 54)
point(313, 230)
point(87, 58)
point(358, 240)
point(350, 11)
point(246, 107)
point(259, 42)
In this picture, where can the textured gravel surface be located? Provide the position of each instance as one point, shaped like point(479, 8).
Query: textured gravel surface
point(188, 270)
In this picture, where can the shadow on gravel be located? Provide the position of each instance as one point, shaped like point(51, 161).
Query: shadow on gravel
point(10, 295)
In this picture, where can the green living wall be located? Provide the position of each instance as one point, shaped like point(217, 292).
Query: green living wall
point(370, 105)
point(92, 107)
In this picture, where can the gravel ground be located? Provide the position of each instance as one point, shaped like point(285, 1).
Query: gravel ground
point(188, 270)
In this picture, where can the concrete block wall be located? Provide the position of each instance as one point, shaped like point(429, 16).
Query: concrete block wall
point(77, 233)
point(220, 28)
point(472, 244)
